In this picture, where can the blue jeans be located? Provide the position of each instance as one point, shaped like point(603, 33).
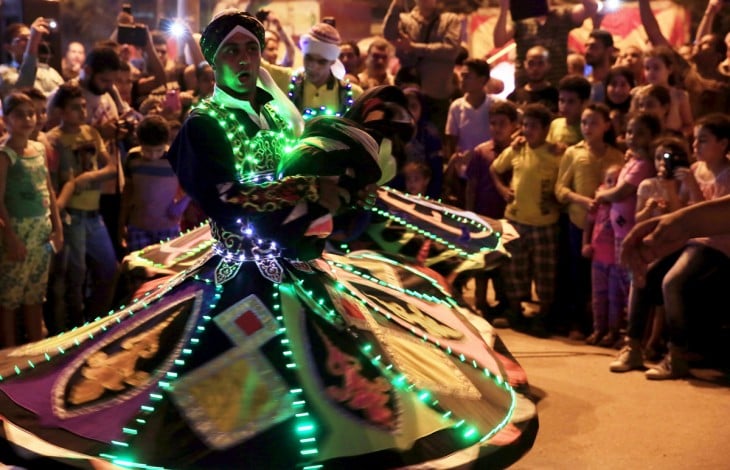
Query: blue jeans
point(88, 263)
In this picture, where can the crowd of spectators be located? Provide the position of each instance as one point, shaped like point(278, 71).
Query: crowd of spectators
point(573, 158)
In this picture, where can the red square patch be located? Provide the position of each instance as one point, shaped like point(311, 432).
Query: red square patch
point(249, 323)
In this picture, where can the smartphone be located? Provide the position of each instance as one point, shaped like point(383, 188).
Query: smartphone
point(127, 8)
point(135, 35)
point(523, 9)
point(52, 24)
point(172, 101)
point(672, 162)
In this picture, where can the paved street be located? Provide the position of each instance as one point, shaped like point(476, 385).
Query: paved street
point(591, 418)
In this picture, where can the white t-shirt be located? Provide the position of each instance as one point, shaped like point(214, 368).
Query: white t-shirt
point(470, 125)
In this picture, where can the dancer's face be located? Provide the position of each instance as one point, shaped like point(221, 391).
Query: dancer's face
point(236, 66)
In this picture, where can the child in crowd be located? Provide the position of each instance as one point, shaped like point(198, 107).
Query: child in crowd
point(425, 146)
point(655, 100)
point(468, 121)
point(580, 175)
point(41, 113)
point(619, 82)
point(533, 211)
point(41, 117)
point(482, 195)
point(32, 227)
point(573, 95)
point(467, 126)
point(641, 131)
point(89, 254)
point(152, 203)
point(658, 70)
point(417, 175)
point(670, 190)
point(607, 301)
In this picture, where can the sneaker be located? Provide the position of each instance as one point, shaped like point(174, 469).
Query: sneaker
point(629, 358)
point(671, 367)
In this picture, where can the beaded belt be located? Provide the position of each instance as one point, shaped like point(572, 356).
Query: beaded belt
point(238, 248)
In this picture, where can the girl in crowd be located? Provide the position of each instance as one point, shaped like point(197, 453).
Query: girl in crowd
point(640, 132)
point(579, 176)
point(619, 83)
point(669, 191)
point(599, 246)
point(658, 70)
point(33, 229)
point(655, 100)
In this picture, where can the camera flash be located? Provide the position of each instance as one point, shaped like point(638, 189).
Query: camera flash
point(177, 29)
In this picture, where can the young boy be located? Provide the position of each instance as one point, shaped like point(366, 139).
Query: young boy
point(467, 126)
point(483, 197)
point(152, 203)
point(537, 89)
point(573, 95)
point(533, 210)
point(83, 164)
point(417, 176)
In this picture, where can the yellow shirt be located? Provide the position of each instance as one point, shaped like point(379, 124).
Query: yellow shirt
point(582, 172)
point(562, 133)
point(534, 173)
point(327, 95)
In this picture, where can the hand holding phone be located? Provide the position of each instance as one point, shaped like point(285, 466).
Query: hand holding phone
point(134, 34)
point(172, 101)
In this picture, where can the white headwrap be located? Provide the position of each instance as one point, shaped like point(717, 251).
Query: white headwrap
point(311, 45)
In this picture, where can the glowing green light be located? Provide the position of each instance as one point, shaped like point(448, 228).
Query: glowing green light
point(305, 428)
